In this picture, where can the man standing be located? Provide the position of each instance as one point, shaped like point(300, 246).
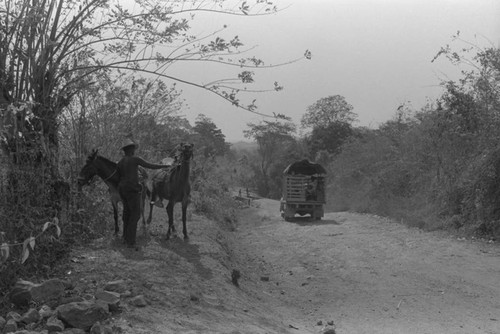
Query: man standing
point(130, 189)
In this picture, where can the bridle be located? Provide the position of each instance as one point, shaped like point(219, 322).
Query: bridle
point(114, 172)
point(104, 179)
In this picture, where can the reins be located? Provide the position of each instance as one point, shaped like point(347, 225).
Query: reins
point(114, 172)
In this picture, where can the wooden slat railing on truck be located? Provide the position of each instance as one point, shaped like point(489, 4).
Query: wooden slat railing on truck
point(302, 188)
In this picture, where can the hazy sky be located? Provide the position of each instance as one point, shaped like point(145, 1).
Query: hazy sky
point(375, 53)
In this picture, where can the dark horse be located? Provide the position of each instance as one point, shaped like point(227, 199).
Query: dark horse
point(106, 170)
point(173, 185)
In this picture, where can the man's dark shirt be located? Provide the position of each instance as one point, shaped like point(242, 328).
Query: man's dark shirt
point(128, 168)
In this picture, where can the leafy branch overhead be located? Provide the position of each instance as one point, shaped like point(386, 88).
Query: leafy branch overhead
point(52, 49)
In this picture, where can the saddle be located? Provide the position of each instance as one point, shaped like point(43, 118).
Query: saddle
point(159, 181)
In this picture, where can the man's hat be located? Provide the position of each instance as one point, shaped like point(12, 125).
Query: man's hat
point(129, 142)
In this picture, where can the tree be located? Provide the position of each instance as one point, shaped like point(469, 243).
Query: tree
point(328, 110)
point(273, 139)
point(209, 139)
point(329, 138)
point(101, 115)
point(331, 121)
point(52, 49)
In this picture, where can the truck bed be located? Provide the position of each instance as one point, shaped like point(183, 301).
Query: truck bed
point(303, 188)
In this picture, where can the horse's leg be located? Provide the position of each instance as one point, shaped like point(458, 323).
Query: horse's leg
point(184, 210)
point(115, 215)
point(151, 204)
point(143, 200)
point(170, 213)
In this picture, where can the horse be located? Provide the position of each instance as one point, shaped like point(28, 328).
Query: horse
point(107, 171)
point(173, 185)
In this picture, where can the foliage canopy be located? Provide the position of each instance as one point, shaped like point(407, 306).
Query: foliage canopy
point(328, 110)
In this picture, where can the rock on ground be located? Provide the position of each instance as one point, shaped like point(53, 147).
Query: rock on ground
point(83, 314)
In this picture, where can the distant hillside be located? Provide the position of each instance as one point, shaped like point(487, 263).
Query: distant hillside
point(244, 146)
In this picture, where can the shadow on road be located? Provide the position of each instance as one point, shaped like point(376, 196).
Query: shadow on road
point(190, 253)
point(308, 221)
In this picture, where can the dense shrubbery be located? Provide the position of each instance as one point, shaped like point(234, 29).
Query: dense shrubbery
point(29, 200)
point(435, 168)
point(477, 196)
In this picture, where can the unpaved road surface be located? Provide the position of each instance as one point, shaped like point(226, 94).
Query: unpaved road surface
point(360, 273)
point(370, 275)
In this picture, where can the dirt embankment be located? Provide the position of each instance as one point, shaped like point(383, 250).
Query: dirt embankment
point(364, 273)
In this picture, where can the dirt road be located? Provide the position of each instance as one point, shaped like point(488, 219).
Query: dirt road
point(363, 273)
point(370, 275)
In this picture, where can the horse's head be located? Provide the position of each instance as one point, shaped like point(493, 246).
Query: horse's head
point(183, 152)
point(88, 171)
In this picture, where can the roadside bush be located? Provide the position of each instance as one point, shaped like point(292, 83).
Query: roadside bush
point(29, 198)
point(26, 204)
point(478, 195)
point(381, 173)
point(210, 195)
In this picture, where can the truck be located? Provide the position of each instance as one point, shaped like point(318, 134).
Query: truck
point(303, 191)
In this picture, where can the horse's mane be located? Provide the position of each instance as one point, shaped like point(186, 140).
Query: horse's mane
point(94, 156)
point(106, 160)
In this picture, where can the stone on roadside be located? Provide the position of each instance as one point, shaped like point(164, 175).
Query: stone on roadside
point(119, 286)
point(70, 299)
point(20, 294)
point(82, 314)
point(138, 301)
point(88, 296)
point(13, 316)
point(25, 291)
point(99, 328)
point(46, 311)
point(329, 331)
point(74, 331)
point(69, 285)
point(126, 294)
point(10, 326)
point(54, 325)
point(49, 290)
point(32, 327)
point(109, 297)
point(30, 316)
